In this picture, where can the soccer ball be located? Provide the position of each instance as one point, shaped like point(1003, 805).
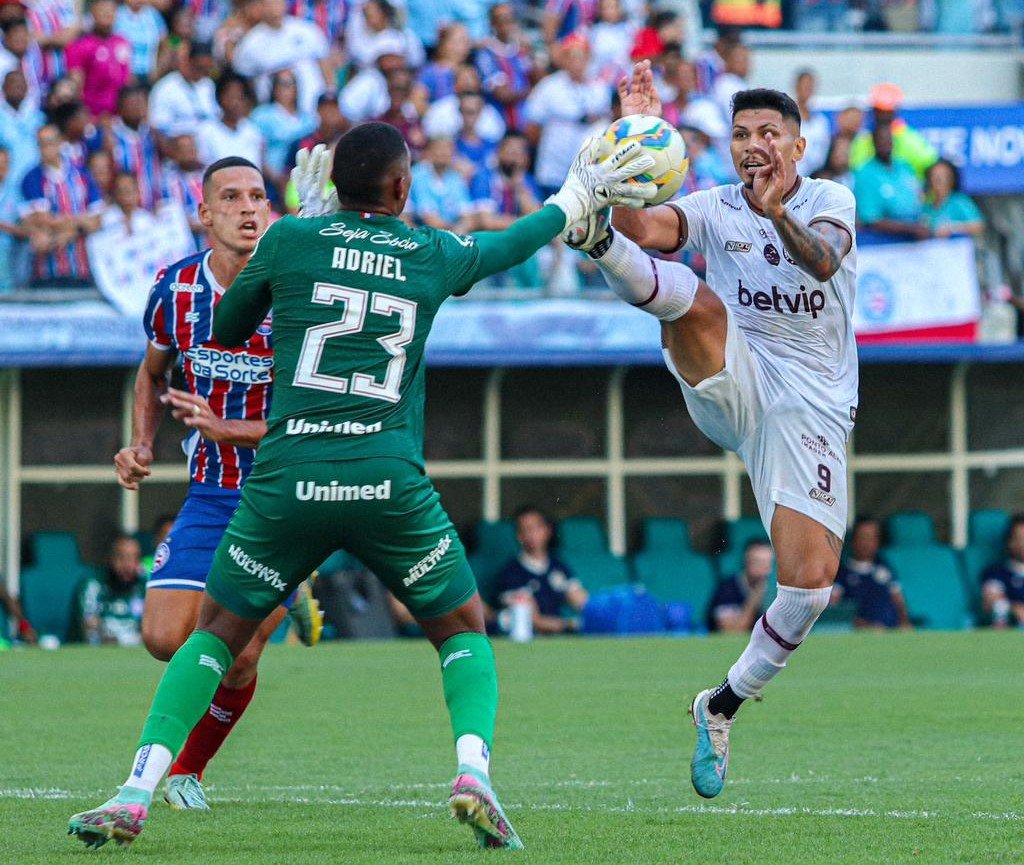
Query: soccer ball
point(658, 138)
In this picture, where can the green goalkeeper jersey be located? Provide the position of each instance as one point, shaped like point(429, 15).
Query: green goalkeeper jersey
point(354, 296)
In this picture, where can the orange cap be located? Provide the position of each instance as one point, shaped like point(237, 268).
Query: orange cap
point(886, 97)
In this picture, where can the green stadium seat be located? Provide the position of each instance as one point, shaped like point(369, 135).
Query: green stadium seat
point(738, 533)
point(486, 570)
point(496, 538)
point(48, 596)
point(727, 563)
point(988, 529)
point(910, 529)
point(677, 576)
point(597, 570)
point(930, 577)
point(54, 549)
point(661, 534)
point(581, 535)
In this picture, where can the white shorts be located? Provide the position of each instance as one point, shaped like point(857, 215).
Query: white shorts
point(794, 452)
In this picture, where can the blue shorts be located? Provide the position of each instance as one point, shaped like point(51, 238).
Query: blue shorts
point(183, 560)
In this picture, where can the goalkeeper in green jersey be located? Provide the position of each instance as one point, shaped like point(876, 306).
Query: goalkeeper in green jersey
point(354, 293)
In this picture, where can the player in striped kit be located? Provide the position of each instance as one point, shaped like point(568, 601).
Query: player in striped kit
point(225, 405)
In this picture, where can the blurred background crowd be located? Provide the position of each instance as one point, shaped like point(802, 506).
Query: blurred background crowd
point(110, 111)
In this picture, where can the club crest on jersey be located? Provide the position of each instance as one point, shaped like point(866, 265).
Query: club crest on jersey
point(266, 327)
point(771, 255)
point(738, 246)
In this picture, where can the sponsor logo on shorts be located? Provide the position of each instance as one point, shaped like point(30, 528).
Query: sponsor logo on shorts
point(302, 427)
point(259, 570)
point(161, 556)
point(427, 563)
point(228, 365)
point(310, 491)
point(212, 663)
point(454, 656)
point(818, 445)
point(186, 288)
point(805, 302)
point(738, 246)
point(771, 255)
point(822, 496)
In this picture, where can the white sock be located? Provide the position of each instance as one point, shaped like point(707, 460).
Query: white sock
point(472, 751)
point(789, 620)
point(150, 766)
point(665, 289)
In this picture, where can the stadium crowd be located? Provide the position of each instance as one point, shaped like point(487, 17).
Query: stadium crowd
point(108, 114)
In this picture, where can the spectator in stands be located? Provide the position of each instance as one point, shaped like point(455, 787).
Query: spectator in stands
point(438, 76)
point(127, 215)
point(245, 15)
point(732, 78)
point(814, 125)
point(281, 122)
point(11, 229)
point(234, 134)
point(60, 206)
point(1002, 585)
point(866, 579)
point(663, 28)
point(144, 28)
point(183, 100)
point(947, 210)
point(908, 144)
point(711, 63)
point(505, 65)
point(331, 125)
point(688, 107)
point(20, 120)
point(837, 162)
point(111, 607)
point(80, 135)
point(281, 42)
point(563, 18)
point(751, 14)
point(403, 112)
point(502, 194)
point(738, 600)
point(374, 24)
point(562, 111)
point(439, 196)
point(850, 119)
point(444, 119)
point(328, 15)
point(546, 582)
point(182, 174)
point(19, 627)
point(366, 94)
point(20, 51)
point(100, 165)
point(707, 168)
point(472, 152)
point(181, 32)
point(611, 39)
point(132, 144)
point(888, 192)
point(55, 24)
point(209, 16)
point(100, 61)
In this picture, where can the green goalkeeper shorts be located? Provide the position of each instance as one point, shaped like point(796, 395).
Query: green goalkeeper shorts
point(382, 510)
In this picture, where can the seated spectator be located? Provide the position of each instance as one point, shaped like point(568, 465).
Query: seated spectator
point(505, 65)
point(60, 206)
point(184, 99)
point(182, 175)
point(1002, 585)
point(438, 195)
point(100, 61)
point(234, 134)
point(947, 210)
point(144, 28)
point(374, 23)
point(20, 120)
point(814, 125)
point(438, 76)
point(472, 152)
point(866, 579)
point(126, 215)
point(888, 192)
point(132, 144)
point(19, 628)
point(281, 122)
point(366, 94)
point(837, 162)
point(402, 112)
point(101, 166)
point(11, 229)
point(80, 135)
point(111, 608)
point(20, 51)
point(738, 600)
point(544, 579)
point(331, 125)
point(282, 42)
point(562, 111)
point(501, 195)
point(443, 117)
point(908, 144)
point(611, 39)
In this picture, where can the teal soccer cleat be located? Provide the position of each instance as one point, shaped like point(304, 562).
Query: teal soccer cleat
point(185, 793)
point(474, 802)
point(121, 819)
point(710, 759)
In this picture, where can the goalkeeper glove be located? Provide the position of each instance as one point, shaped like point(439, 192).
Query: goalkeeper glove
point(311, 175)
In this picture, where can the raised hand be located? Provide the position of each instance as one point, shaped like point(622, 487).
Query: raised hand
point(311, 174)
point(637, 92)
point(770, 179)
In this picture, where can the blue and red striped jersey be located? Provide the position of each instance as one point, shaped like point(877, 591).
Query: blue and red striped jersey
point(236, 382)
point(134, 150)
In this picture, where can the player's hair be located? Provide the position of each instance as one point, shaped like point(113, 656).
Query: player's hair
point(362, 158)
point(226, 162)
point(762, 97)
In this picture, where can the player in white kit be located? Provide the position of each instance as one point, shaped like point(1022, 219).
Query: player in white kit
point(765, 355)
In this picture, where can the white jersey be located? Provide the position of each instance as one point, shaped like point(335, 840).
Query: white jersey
point(802, 329)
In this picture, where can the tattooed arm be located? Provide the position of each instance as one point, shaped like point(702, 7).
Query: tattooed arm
point(818, 248)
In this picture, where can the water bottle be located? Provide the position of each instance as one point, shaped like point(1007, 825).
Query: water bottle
point(521, 630)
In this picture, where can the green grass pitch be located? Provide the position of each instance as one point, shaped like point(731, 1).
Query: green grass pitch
point(870, 748)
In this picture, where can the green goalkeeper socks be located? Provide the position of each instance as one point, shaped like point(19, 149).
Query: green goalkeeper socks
point(185, 691)
point(470, 685)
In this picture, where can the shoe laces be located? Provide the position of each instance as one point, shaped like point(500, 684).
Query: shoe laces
point(717, 727)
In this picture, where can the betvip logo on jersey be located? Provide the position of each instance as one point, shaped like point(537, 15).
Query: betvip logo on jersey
point(805, 302)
